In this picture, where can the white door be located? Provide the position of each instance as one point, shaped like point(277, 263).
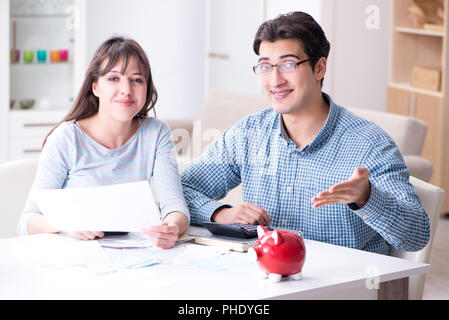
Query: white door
point(232, 25)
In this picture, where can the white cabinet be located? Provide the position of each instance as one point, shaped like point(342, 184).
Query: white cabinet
point(40, 45)
point(27, 130)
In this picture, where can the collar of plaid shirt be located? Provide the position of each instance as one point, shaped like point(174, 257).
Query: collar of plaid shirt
point(324, 132)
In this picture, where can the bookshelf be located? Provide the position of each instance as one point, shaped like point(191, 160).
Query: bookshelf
point(422, 46)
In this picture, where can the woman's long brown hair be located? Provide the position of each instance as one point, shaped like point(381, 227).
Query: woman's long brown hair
point(112, 51)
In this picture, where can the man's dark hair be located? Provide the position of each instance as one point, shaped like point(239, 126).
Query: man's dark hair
point(295, 25)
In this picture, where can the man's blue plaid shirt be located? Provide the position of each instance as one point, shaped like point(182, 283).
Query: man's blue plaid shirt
point(282, 179)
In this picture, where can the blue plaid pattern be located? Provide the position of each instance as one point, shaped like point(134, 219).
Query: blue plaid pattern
point(282, 179)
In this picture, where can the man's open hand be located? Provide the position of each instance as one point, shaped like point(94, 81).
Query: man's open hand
point(355, 190)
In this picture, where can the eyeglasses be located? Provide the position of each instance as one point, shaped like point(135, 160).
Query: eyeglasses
point(290, 66)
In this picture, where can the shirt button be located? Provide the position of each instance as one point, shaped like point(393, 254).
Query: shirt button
point(289, 189)
point(284, 221)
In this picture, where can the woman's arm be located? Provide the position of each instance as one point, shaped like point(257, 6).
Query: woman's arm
point(179, 219)
point(38, 224)
point(51, 174)
point(167, 183)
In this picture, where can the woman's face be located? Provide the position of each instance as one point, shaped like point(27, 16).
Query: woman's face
point(121, 96)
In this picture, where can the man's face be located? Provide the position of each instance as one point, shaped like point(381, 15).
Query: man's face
point(288, 91)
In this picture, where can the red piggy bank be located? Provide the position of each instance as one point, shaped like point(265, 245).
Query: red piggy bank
point(279, 253)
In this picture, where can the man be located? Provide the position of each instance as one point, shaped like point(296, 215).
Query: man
point(306, 163)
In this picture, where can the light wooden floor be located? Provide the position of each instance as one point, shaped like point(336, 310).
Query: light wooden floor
point(436, 286)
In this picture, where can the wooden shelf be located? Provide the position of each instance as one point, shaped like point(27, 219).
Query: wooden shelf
point(40, 64)
point(55, 15)
point(412, 47)
point(421, 32)
point(407, 86)
point(61, 109)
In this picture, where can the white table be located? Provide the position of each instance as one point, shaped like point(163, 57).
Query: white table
point(330, 272)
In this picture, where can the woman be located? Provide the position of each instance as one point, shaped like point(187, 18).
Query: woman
point(107, 138)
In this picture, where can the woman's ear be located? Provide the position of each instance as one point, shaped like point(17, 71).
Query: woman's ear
point(94, 88)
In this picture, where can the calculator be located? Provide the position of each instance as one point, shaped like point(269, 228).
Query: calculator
point(234, 230)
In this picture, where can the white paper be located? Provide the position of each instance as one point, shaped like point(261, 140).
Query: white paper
point(131, 258)
point(129, 241)
point(119, 207)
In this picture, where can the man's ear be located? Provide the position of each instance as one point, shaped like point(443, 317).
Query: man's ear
point(94, 89)
point(320, 68)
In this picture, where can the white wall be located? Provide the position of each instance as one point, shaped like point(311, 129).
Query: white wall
point(359, 52)
point(4, 79)
point(232, 25)
point(276, 7)
point(171, 32)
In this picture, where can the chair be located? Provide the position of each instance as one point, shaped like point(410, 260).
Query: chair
point(16, 178)
point(431, 198)
point(409, 135)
